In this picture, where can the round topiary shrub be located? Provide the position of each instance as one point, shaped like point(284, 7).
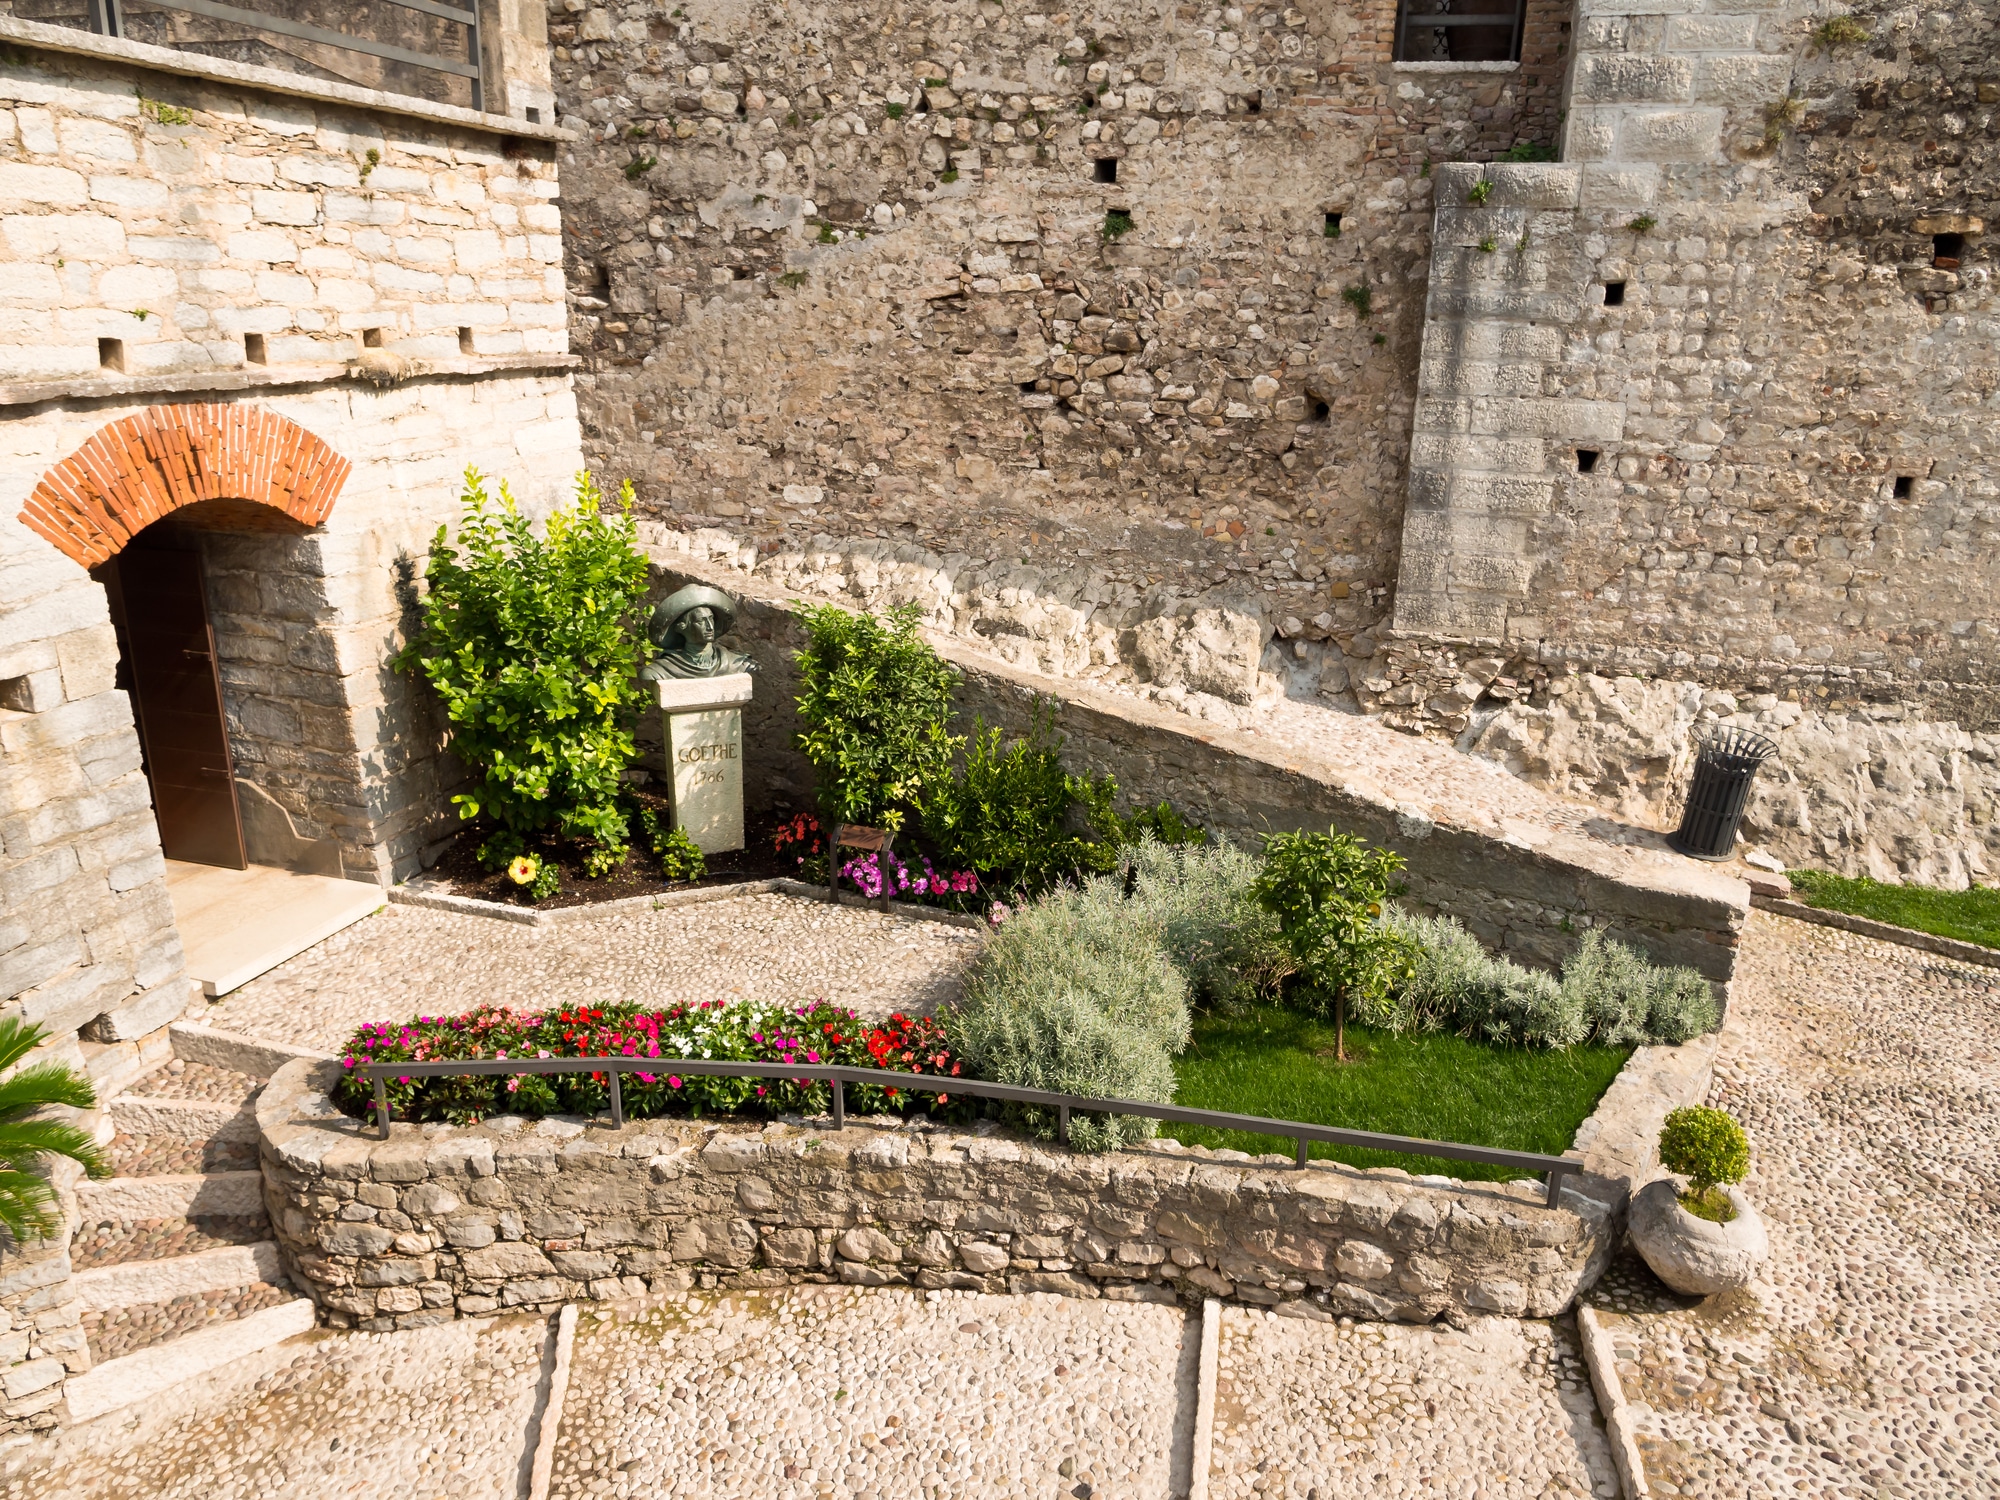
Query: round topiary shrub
point(1708, 1148)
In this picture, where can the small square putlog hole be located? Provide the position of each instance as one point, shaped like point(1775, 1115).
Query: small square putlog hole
point(1332, 230)
point(253, 349)
point(111, 355)
point(1321, 412)
point(1614, 294)
point(1901, 488)
point(371, 338)
point(465, 341)
point(1947, 251)
point(1106, 169)
point(1586, 460)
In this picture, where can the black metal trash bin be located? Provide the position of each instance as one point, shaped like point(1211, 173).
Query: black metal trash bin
point(1725, 763)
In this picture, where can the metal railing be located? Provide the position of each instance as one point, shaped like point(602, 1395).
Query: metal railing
point(1555, 1168)
point(106, 18)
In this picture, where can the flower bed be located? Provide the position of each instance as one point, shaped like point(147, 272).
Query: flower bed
point(716, 1030)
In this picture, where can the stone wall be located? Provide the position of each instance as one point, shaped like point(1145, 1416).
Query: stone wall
point(437, 1221)
point(856, 273)
point(1428, 552)
point(257, 215)
point(42, 1342)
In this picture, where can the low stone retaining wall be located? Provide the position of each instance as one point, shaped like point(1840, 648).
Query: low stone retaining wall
point(440, 1221)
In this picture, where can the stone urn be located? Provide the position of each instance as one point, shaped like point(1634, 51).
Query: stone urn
point(1693, 1255)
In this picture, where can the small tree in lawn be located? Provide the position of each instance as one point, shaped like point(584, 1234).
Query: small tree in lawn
point(1327, 891)
point(533, 645)
point(875, 704)
point(28, 1204)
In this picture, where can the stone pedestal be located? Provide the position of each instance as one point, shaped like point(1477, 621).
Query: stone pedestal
point(702, 727)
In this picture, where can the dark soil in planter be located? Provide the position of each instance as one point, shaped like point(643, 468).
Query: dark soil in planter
point(639, 874)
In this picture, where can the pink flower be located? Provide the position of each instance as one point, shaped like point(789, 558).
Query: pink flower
point(673, 1083)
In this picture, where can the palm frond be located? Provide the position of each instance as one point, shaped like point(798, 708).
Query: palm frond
point(28, 1208)
point(22, 1140)
point(45, 1083)
point(17, 1039)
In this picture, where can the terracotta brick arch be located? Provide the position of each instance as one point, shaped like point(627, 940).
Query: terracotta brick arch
point(140, 468)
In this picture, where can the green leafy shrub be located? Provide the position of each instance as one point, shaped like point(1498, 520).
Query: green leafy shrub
point(679, 856)
point(1529, 151)
point(1708, 1148)
point(875, 704)
point(1117, 223)
point(533, 646)
point(29, 1207)
point(1360, 297)
point(1007, 811)
point(1202, 902)
point(1326, 891)
point(1480, 191)
point(1608, 995)
point(1071, 994)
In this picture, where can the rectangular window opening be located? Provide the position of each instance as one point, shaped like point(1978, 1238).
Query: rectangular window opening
point(1106, 169)
point(1614, 294)
point(534, 115)
point(1254, 105)
point(371, 338)
point(1902, 486)
point(1459, 30)
point(465, 341)
point(111, 355)
point(1947, 250)
point(253, 349)
point(1586, 460)
point(1333, 226)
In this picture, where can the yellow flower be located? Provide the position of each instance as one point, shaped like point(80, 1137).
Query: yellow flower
point(522, 868)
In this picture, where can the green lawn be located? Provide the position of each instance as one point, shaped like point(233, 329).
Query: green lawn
point(1279, 1064)
point(1971, 916)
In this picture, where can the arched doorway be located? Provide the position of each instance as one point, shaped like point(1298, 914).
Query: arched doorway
point(134, 505)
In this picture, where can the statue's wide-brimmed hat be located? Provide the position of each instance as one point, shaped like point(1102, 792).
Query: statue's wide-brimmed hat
point(694, 596)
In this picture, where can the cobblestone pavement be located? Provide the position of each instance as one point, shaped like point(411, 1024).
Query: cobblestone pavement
point(1868, 1077)
point(181, 1079)
point(879, 1395)
point(115, 1242)
point(1321, 1410)
point(127, 1330)
point(430, 1413)
point(151, 1155)
point(408, 960)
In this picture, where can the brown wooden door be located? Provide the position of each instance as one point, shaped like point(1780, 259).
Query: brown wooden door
point(177, 693)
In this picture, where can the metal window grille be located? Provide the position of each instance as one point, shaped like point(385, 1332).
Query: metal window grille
point(109, 18)
point(1460, 30)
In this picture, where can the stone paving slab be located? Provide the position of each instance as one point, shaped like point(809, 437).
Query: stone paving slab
point(879, 1394)
point(442, 1413)
point(408, 960)
point(1314, 1411)
point(1866, 1363)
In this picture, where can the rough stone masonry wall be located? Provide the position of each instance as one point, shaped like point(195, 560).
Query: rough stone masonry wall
point(1784, 354)
point(436, 1221)
point(848, 271)
point(1784, 361)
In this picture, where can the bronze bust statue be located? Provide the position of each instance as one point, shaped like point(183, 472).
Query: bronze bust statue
point(684, 628)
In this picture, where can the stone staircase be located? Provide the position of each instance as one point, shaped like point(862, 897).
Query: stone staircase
point(173, 1258)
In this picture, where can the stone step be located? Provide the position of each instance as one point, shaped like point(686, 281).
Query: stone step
point(172, 1195)
point(184, 1119)
point(168, 1155)
point(114, 1332)
point(144, 1282)
point(103, 1242)
point(119, 1383)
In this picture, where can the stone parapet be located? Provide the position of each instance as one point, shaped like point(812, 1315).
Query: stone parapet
point(438, 1221)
